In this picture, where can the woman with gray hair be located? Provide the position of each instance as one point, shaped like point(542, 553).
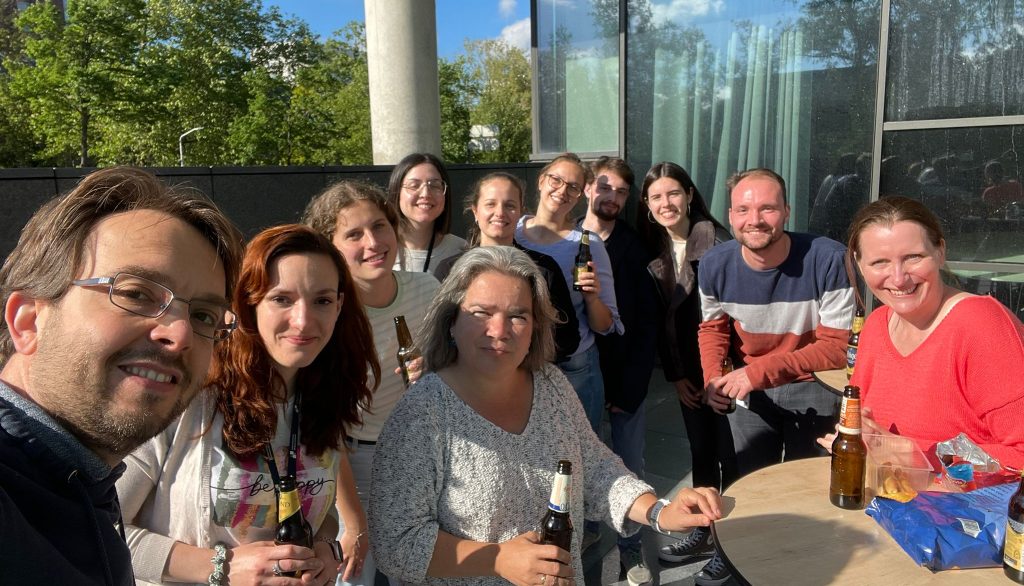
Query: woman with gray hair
point(463, 467)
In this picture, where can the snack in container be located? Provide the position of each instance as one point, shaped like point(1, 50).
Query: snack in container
point(896, 468)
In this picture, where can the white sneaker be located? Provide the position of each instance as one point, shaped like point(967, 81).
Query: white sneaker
point(637, 573)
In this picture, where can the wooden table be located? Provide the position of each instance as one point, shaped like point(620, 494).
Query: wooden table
point(782, 529)
point(834, 380)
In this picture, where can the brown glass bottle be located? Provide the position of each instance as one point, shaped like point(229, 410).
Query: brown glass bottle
point(851, 345)
point(556, 526)
point(583, 259)
point(849, 455)
point(726, 369)
point(292, 528)
point(407, 352)
point(1013, 544)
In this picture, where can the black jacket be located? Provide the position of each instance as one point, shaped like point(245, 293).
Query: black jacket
point(627, 359)
point(680, 299)
point(59, 515)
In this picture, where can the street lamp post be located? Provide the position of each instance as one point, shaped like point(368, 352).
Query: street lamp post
point(181, 147)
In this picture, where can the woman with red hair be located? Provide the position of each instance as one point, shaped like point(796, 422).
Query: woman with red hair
point(199, 500)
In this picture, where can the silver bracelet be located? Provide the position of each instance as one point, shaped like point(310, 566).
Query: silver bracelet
point(220, 554)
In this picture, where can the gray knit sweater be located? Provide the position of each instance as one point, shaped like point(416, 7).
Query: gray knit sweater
point(439, 465)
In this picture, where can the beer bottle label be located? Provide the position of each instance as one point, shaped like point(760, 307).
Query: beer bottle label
point(560, 494)
point(288, 504)
point(849, 417)
point(1013, 551)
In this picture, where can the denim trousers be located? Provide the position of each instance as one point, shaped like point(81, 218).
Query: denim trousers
point(629, 432)
point(782, 423)
point(584, 373)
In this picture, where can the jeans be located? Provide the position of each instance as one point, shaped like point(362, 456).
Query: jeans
point(628, 435)
point(584, 373)
point(711, 447)
point(782, 424)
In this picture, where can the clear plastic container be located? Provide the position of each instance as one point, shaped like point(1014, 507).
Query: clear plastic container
point(895, 458)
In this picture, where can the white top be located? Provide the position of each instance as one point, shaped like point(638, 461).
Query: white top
point(415, 293)
point(167, 491)
point(678, 253)
point(413, 260)
point(440, 465)
point(564, 252)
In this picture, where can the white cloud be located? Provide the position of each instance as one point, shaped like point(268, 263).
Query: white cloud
point(517, 35)
point(684, 10)
point(507, 8)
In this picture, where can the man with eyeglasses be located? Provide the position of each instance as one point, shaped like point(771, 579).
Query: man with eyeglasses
point(626, 359)
point(114, 299)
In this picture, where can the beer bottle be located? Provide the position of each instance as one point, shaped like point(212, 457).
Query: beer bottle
point(582, 258)
point(849, 455)
point(556, 526)
point(726, 369)
point(292, 528)
point(407, 352)
point(1013, 546)
point(851, 345)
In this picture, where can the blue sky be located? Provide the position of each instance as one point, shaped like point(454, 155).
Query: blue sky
point(457, 20)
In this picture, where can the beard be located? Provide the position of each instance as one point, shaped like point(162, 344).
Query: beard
point(73, 386)
point(607, 211)
point(758, 241)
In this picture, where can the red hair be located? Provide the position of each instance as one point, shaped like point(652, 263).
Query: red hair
point(334, 386)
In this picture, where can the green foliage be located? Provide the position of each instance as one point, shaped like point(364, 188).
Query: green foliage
point(118, 81)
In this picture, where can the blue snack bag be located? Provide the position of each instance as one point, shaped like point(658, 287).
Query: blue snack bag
point(945, 530)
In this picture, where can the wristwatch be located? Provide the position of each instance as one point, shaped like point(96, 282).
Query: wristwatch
point(334, 545)
point(654, 513)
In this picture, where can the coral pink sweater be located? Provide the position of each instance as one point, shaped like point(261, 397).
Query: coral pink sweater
point(967, 376)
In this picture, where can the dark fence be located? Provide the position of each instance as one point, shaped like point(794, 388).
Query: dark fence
point(253, 197)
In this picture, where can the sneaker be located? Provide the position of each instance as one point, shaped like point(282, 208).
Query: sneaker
point(632, 561)
point(697, 544)
point(714, 573)
point(590, 538)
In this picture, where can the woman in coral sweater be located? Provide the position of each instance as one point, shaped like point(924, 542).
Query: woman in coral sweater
point(933, 361)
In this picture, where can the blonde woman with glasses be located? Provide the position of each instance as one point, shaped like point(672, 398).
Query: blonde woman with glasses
point(420, 190)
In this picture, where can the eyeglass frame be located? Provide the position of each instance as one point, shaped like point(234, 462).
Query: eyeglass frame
point(108, 282)
point(556, 182)
point(429, 183)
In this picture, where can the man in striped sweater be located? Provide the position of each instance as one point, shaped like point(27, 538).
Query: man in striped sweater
point(779, 304)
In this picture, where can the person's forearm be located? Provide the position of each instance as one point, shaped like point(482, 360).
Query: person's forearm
point(188, 563)
point(598, 314)
point(349, 507)
point(641, 506)
point(455, 557)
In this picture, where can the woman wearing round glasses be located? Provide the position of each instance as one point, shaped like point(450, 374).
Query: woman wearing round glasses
point(552, 232)
point(419, 190)
point(199, 500)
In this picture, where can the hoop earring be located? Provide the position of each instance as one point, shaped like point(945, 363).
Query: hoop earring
point(687, 209)
point(650, 216)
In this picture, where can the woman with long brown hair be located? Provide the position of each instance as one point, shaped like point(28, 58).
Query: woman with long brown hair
point(199, 500)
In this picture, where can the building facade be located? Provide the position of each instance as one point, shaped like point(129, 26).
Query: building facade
point(849, 100)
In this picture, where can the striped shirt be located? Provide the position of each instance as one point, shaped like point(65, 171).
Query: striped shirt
point(783, 323)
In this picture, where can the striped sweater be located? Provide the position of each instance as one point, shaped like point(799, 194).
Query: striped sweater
point(783, 323)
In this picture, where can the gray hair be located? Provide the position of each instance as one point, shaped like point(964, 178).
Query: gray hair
point(434, 337)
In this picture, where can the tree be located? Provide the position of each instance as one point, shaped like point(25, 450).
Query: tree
point(458, 91)
point(502, 73)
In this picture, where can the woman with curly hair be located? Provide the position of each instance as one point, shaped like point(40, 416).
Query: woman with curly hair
point(199, 500)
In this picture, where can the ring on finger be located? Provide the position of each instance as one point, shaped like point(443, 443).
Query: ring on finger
point(543, 579)
point(277, 568)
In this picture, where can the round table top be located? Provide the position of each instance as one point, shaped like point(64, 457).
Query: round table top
point(834, 380)
point(782, 529)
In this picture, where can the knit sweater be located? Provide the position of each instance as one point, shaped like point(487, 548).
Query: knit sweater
point(783, 323)
point(441, 466)
point(966, 376)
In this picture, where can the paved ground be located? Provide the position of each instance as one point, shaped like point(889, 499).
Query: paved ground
point(668, 467)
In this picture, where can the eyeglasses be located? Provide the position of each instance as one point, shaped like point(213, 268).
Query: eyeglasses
point(434, 186)
point(660, 197)
point(148, 298)
point(556, 182)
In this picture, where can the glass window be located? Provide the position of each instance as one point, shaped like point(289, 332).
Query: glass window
point(723, 86)
point(955, 59)
point(578, 75)
point(970, 178)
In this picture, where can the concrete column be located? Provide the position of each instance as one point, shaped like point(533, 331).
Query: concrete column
point(405, 105)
